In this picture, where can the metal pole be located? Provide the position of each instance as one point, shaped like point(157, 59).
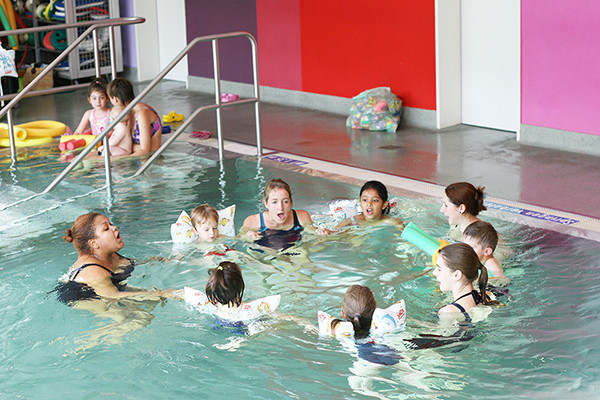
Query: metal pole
point(113, 54)
point(217, 78)
point(96, 53)
point(107, 170)
point(256, 95)
point(11, 138)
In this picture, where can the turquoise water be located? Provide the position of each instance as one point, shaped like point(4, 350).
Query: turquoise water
point(542, 344)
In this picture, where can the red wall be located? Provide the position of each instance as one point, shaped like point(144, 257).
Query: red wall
point(352, 45)
point(330, 47)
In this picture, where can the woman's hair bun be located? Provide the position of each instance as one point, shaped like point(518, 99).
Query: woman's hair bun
point(68, 236)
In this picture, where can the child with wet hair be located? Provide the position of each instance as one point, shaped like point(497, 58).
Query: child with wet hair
point(483, 238)
point(205, 222)
point(357, 307)
point(374, 204)
point(225, 288)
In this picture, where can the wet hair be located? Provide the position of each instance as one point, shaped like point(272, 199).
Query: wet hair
point(483, 233)
point(202, 213)
point(225, 284)
point(122, 89)
point(358, 307)
point(467, 194)
point(276, 184)
point(97, 86)
point(381, 192)
point(82, 231)
point(462, 257)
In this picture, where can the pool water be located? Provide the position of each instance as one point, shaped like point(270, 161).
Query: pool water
point(544, 343)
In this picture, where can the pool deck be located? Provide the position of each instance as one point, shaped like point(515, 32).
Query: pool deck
point(547, 183)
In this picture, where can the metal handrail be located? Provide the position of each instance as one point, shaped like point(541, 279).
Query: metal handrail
point(93, 26)
point(217, 107)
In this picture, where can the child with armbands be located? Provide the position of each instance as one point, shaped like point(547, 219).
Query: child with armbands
point(374, 204)
point(205, 222)
point(224, 292)
point(483, 238)
point(361, 315)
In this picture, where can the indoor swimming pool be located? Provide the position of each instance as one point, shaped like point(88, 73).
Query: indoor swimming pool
point(542, 343)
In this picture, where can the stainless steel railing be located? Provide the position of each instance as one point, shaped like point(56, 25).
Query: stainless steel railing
point(93, 27)
point(217, 106)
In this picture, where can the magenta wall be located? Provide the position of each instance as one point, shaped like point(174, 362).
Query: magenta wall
point(560, 58)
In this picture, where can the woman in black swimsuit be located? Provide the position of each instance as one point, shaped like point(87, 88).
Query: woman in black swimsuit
point(279, 227)
point(100, 271)
point(457, 267)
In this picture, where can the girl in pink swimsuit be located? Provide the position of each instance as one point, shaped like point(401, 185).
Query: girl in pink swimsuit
point(98, 117)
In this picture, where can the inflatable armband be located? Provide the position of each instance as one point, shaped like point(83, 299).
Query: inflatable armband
point(422, 240)
point(388, 320)
point(181, 230)
point(344, 209)
point(249, 311)
point(344, 329)
point(384, 321)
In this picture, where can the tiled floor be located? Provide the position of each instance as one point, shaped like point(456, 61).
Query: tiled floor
point(509, 170)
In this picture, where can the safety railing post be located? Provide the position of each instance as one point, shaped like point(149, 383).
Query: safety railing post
point(256, 95)
point(96, 53)
point(217, 78)
point(113, 54)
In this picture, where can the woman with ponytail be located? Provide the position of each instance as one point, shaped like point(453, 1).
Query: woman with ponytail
point(462, 202)
point(457, 267)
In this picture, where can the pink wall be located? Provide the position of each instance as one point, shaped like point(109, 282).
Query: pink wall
point(278, 28)
point(560, 59)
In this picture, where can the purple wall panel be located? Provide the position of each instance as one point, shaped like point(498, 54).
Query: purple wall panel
point(207, 17)
point(128, 35)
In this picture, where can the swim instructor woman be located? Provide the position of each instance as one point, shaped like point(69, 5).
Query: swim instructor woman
point(100, 271)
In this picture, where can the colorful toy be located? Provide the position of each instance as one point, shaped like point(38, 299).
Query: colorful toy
point(166, 129)
point(172, 117)
point(36, 129)
point(71, 142)
point(5, 142)
point(422, 240)
point(20, 133)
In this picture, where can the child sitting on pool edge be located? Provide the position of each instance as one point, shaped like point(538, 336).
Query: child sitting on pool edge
point(374, 204)
point(483, 238)
point(119, 140)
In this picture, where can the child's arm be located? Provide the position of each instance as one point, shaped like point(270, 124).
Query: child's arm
point(494, 267)
point(83, 124)
point(118, 134)
point(249, 229)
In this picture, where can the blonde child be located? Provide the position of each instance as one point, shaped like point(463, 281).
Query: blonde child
point(98, 117)
point(358, 307)
point(483, 238)
point(120, 141)
point(205, 222)
point(374, 204)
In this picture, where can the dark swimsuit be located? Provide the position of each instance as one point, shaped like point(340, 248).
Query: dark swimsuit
point(280, 239)
point(71, 291)
point(476, 297)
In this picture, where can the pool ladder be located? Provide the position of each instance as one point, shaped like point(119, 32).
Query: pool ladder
point(217, 106)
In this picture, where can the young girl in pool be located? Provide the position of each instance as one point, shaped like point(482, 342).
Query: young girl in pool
point(374, 204)
point(225, 289)
point(358, 307)
point(457, 267)
point(98, 117)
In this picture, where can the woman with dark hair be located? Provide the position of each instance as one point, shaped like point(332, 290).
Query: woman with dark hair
point(462, 203)
point(99, 272)
point(147, 131)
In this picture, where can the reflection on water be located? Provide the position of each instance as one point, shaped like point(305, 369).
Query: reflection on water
point(542, 341)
